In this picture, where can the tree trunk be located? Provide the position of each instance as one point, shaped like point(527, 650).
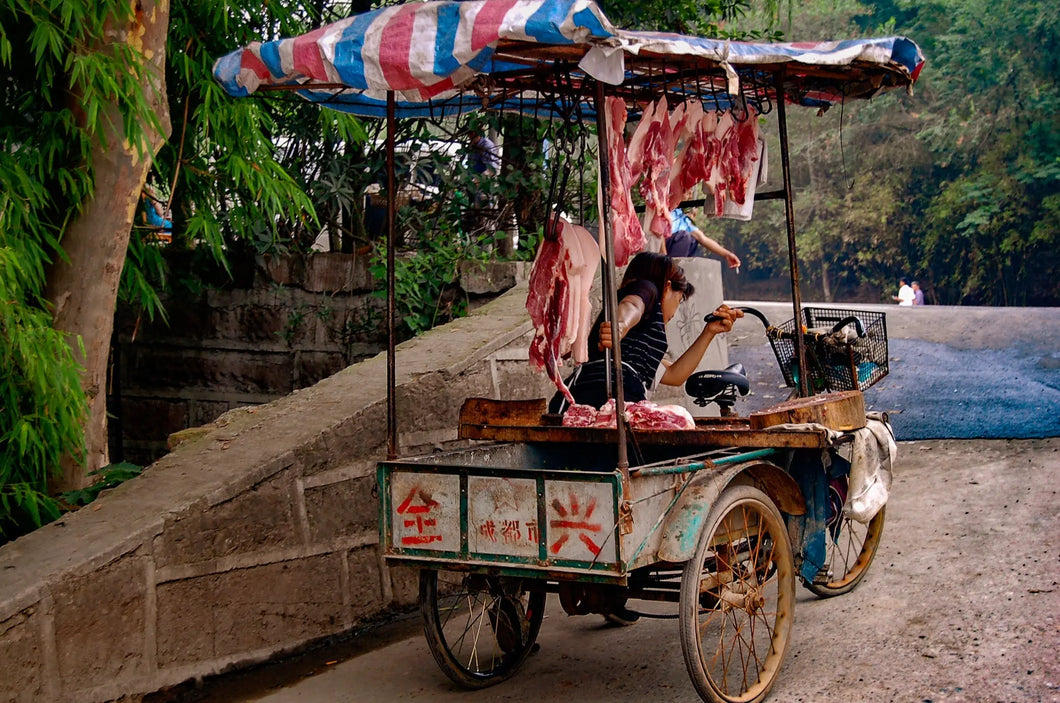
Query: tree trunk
point(84, 287)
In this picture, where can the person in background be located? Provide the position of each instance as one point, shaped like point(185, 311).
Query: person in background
point(905, 295)
point(484, 159)
point(918, 295)
point(154, 212)
point(689, 240)
point(652, 289)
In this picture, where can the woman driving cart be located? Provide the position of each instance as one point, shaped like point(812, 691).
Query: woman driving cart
point(652, 289)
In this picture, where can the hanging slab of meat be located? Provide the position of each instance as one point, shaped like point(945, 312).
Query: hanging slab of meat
point(717, 181)
point(735, 160)
point(695, 159)
point(582, 289)
point(626, 231)
point(548, 303)
point(651, 154)
point(558, 300)
point(576, 266)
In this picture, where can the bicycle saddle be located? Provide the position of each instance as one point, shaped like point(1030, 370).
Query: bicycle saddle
point(707, 384)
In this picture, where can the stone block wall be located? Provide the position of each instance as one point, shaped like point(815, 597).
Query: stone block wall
point(228, 348)
point(254, 538)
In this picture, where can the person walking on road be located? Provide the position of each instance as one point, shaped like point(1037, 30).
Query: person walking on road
point(905, 296)
point(918, 295)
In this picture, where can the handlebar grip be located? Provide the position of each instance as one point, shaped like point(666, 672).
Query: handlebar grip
point(846, 321)
point(756, 313)
point(711, 317)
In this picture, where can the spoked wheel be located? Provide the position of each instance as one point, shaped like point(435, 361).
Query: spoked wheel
point(738, 599)
point(851, 546)
point(480, 628)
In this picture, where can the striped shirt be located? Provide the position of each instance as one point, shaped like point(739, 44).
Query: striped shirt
point(644, 346)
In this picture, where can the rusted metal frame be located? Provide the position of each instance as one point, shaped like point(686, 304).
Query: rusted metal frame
point(611, 302)
point(554, 574)
point(701, 465)
point(391, 277)
point(658, 523)
point(694, 439)
point(789, 216)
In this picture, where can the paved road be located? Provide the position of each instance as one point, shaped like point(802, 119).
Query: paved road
point(957, 373)
point(961, 604)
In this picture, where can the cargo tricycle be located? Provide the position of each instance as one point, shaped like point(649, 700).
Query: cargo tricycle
point(722, 518)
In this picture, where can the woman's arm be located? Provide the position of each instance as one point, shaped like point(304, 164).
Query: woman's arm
point(717, 249)
point(630, 310)
point(685, 365)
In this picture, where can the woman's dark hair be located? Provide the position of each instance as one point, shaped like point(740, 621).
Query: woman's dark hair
point(658, 268)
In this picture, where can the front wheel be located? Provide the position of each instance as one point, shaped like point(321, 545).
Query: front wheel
point(850, 549)
point(480, 628)
point(738, 599)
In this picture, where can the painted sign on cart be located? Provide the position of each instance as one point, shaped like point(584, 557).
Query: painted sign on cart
point(425, 511)
point(580, 521)
point(519, 519)
point(502, 516)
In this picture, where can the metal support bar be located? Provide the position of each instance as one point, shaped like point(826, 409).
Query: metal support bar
point(700, 465)
point(789, 216)
point(391, 301)
point(610, 292)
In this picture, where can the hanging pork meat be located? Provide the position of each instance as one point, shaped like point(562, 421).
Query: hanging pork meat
point(558, 300)
point(651, 155)
point(626, 231)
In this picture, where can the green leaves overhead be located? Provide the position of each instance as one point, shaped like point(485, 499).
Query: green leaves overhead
point(954, 185)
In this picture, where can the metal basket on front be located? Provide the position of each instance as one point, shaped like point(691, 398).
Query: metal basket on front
point(837, 360)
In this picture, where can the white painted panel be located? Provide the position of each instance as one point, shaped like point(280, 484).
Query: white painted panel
point(502, 516)
point(425, 511)
point(580, 521)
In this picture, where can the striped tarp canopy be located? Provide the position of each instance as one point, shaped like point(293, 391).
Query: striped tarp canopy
point(443, 58)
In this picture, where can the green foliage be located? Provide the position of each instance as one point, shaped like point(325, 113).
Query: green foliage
point(109, 476)
point(955, 185)
point(41, 403)
point(58, 79)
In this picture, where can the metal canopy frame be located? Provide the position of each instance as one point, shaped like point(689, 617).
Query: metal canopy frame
point(696, 79)
point(518, 71)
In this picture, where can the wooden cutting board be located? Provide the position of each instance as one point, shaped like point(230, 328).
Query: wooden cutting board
point(843, 411)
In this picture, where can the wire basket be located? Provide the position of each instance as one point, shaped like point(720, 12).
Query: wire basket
point(834, 364)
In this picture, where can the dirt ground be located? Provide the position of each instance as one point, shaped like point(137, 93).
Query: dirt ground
point(961, 604)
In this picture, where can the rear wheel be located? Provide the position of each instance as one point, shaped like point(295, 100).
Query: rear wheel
point(738, 599)
point(850, 549)
point(480, 628)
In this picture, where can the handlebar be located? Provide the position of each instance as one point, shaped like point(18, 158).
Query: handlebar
point(775, 332)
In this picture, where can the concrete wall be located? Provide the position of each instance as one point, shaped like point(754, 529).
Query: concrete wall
point(255, 536)
point(233, 347)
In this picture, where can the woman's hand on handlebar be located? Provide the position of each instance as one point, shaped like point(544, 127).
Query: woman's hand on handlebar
point(720, 321)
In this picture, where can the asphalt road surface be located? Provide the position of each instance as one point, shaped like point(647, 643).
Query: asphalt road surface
point(961, 604)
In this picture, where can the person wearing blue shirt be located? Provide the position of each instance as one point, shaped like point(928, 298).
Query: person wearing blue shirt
point(689, 240)
point(154, 212)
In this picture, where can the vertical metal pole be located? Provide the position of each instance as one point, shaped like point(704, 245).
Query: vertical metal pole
point(610, 293)
point(391, 302)
point(789, 215)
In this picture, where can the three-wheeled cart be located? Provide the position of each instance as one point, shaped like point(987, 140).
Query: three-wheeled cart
point(722, 519)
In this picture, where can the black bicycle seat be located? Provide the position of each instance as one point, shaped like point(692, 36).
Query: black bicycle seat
point(707, 384)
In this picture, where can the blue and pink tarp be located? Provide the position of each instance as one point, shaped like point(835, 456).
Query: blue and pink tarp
point(427, 52)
